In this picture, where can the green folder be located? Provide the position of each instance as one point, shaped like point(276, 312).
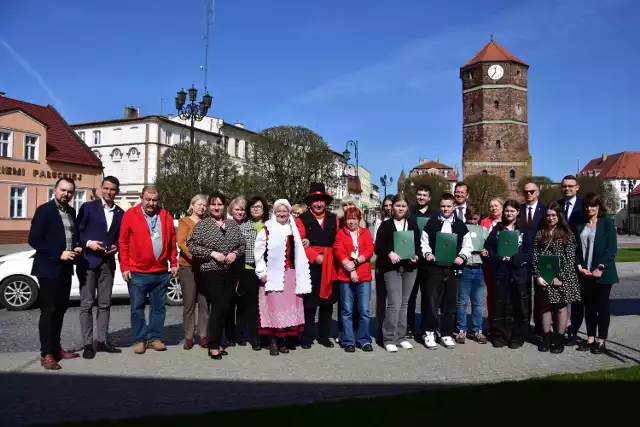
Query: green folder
point(478, 236)
point(404, 244)
point(446, 244)
point(549, 267)
point(422, 221)
point(508, 243)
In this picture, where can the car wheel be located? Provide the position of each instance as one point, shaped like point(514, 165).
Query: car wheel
point(174, 292)
point(18, 293)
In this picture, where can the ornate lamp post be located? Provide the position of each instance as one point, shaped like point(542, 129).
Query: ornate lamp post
point(385, 182)
point(631, 183)
point(347, 166)
point(192, 111)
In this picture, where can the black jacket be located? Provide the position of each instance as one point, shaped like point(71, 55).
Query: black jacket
point(384, 245)
point(518, 267)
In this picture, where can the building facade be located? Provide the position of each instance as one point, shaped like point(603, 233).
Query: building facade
point(131, 147)
point(431, 167)
point(634, 213)
point(495, 124)
point(37, 147)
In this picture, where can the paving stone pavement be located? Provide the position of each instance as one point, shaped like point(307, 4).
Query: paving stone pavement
point(178, 381)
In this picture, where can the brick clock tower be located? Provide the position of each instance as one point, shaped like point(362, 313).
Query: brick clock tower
point(495, 125)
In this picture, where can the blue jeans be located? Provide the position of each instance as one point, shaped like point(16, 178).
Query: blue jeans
point(471, 285)
point(361, 291)
point(155, 285)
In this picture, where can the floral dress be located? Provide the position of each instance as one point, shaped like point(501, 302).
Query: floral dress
point(569, 291)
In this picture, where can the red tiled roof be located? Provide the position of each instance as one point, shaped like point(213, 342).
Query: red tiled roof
point(63, 144)
point(431, 164)
point(493, 52)
point(615, 166)
point(636, 191)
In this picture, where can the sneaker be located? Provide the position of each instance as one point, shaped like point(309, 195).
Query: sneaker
point(139, 348)
point(478, 337)
point(448, 342)
point(406, 345)
point(157, 345)
point(430, 341)
point(461, 337)
point(391, 348)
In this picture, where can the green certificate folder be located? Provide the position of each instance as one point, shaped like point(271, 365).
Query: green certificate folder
point(508, 243)
point(478, 235)
point(422, 221)
point(549, 267)
point(446, 247)
point(404, 244)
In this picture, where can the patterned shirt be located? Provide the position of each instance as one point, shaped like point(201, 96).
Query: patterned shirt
point(208, 237)
point(68, 222)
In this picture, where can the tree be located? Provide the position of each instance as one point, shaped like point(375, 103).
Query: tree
point(603, 188)
point(188, 169)
point(285, 160)
point(549, 191)
point(437, 183)
point(483, 188)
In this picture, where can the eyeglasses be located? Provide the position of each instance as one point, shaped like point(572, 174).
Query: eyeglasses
point(256, 208)
point(529, 191)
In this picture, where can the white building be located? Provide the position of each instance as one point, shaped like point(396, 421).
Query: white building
point(130, 148)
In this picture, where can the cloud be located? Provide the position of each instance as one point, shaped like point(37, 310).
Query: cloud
point(30, 70)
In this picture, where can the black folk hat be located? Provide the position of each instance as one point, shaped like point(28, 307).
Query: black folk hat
point(318, 190)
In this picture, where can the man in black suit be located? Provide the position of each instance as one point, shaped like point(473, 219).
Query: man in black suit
point(574, 213)
point(531, 213)
point(55, 238)
point(99, 227)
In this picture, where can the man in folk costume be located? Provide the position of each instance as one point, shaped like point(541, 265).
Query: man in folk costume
point(283, 268)
point(319, 227)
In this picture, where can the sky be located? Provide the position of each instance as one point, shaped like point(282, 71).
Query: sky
point(384, 72)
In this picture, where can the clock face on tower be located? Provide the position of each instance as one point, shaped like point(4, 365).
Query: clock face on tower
point(495, 72)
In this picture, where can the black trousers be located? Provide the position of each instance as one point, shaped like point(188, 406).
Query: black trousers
point(217, 286)
point(312, 303)
point(230, 330)
point(442, 294)
point(54, 301)
point(577, 316)
point(420, 285)
point(597, 311)
point(509, 312)
point(247, 314)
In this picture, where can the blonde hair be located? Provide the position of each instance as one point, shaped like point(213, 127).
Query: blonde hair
point(497, 199)
point(237, 201)
point(193, 201)
point(299, 206)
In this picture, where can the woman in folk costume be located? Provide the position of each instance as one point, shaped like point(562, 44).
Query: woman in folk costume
point(283, 268)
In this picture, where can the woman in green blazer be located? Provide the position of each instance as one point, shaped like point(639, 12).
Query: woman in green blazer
point(596, 257)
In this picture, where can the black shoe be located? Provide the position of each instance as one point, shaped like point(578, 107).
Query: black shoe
point(230, 344)
point(283, 349)
point(242, 343)
point(598, 348)
point(557, 345)
point(515, 345)
point(306, 346)
point(498, 342)
point(215, 356)
point(291, 345)
point(89, 352)
point(107, 347)
point(273, 350)
point(572, 339)
point(585, 346)
point(326, 343)
point(256, 347)
point(350, 348)
point(545, 344)
point(367, 348)
point(224, 353)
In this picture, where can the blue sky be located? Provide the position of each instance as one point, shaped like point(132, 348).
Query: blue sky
point(383, 72)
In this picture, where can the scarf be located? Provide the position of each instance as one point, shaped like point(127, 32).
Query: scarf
point(277, 248)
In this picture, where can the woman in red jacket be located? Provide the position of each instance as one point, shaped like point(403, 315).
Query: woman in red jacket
point(353, 250)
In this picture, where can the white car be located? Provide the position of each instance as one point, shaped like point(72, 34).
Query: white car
point(19, 289)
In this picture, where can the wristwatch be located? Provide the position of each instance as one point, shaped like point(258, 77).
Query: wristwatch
point(601, 267)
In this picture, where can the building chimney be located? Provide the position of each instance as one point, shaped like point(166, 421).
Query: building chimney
point(604, 157)
point(239, 125)
point(2, 94)
point(131, 112)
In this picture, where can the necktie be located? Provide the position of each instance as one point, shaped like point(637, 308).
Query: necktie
point(566, 210)
point(530, 216)
point(460, 213)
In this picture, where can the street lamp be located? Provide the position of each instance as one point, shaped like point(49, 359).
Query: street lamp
point(631, 183)
point(385, 182)
point(192, 111)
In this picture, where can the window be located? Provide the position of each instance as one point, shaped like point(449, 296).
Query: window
point(168, 137)
point(17, 208)
point(116, 155)
point(134, 154)
point(237, 147)
point(81, 135)
point(97, 154)
point(623, 204)
point(51, 194)
point(512, 174)
point(498, 144)
point(5, 144)
point(96, 137)
point(623, 186)
point(78, 200)
point(471, 108)
point(519, 109)
point(496, 104)
point(183, 137)
point(30, 147)
point(484, 172)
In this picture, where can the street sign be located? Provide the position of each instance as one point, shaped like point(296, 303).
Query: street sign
point(357, 197)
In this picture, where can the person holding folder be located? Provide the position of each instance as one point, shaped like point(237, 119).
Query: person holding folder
point(397, 248)
point(446, 245)
point(509, 248)
point(554, 272)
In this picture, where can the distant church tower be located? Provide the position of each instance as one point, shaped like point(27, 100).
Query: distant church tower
point(495, 125)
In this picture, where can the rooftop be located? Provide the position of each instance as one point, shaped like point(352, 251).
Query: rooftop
point(615, 166)
point(493, 52)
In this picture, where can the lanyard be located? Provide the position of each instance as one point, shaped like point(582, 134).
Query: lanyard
point(153, 223)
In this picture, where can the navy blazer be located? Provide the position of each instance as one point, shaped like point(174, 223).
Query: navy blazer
point(577, 214)
point(47, 237)
point(538, 215)
point(92, 225)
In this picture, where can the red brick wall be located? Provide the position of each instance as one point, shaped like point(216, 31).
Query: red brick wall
point(11, 237)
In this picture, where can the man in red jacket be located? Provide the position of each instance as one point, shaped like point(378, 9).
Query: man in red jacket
point(147, 252)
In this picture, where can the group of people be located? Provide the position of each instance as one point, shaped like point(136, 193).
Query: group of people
point(254, 274)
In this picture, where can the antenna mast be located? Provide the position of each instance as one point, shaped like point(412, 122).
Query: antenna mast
point(207, 24)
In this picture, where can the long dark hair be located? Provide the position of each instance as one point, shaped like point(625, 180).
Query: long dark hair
point(265, 207)
point(561, 231)
point(383, 213)
point(594, 199)
point(511, 204)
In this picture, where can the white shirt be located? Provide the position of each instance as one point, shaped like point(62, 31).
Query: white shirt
point(467, 243)
point(573, 204)
point(108, 216)
point(464, 212)
point(531, 208)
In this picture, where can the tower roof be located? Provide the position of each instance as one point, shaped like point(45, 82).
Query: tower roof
point(493, 52)
point(402, 174)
